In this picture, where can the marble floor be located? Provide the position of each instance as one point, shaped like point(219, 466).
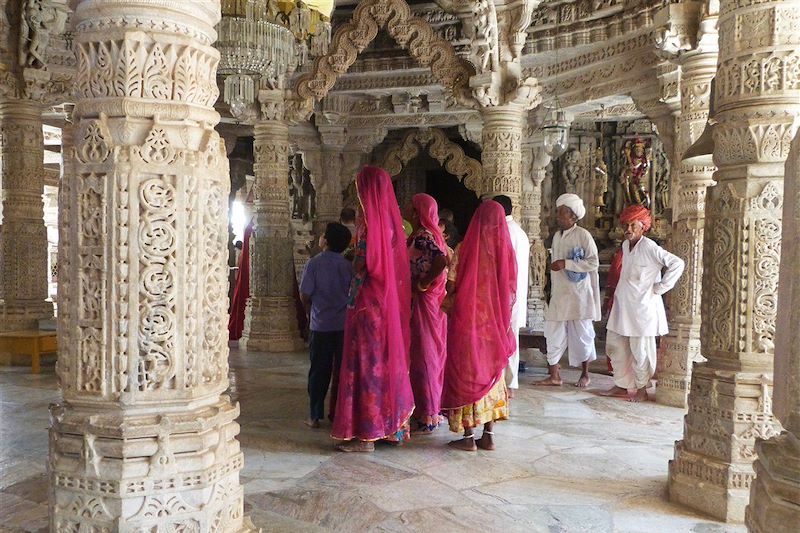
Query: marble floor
point(567, 461)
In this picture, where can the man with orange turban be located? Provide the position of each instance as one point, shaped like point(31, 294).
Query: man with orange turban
point(637, 314)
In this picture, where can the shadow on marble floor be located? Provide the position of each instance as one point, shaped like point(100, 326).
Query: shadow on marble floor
point(567, 461)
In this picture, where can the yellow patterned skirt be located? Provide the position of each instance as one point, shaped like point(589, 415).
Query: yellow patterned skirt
point(492, 407)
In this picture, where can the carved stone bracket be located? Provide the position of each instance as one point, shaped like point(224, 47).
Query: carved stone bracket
point(445, 151)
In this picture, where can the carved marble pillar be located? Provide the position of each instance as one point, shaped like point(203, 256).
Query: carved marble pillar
point(775, 494)
point(144, 439)
point(681, 347)
point(535, 161)
point(270, 318)
point(330, 179)
point(329, 194)
point(51, 228)
point(730, 406)
point(502, 151)
point(23, 236)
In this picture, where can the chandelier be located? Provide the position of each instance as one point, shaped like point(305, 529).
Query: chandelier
point(264, 41)
point(555, 125)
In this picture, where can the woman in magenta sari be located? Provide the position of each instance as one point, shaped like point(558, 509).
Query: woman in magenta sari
point(374, 400)
point(427, 252)
point(479, 339)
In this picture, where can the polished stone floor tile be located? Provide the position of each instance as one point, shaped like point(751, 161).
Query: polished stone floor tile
point(568, 461)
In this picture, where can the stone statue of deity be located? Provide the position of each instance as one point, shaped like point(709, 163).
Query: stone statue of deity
point(635, 168)
point(40, 19)
point(484, 36)
point(600, 182)
point(571, 171)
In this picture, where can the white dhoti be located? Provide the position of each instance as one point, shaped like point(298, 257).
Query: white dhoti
point(519, 314)
point(575, 336)
point(511, 372)
point(633, 359)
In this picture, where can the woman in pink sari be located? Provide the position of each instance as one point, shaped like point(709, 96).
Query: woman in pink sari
point(427, 252)
point(374, 400)
point(479, 339)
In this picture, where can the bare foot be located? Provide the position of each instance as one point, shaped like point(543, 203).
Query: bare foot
point(583, 382)
point(640, 396)
point(312, 423)
point(356, 445)
point(548, 382)
point(510, 393)
point(616, 392)
point(465, 444)
point(485, 442)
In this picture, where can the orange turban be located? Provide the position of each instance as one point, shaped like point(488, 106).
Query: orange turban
point(636, 212)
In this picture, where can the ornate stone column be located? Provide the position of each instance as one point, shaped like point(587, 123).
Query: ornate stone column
point(681, 347)
point(51, 228)
point(535, 161)
point(143, 438)
point(730, 402)
point(775, 495)
point(270, 324)
point(23, 236)
point(329, 193)
point(503, 127)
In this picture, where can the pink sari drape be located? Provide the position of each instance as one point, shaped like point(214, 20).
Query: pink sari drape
point(375, 399)
point(428, 321)
point(242, 290)
point(479, 339)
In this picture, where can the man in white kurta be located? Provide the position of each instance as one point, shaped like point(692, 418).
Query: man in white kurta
point(575, 293)
point(519, 314)
point(637, 313)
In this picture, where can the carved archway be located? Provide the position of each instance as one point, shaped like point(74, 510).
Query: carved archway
point(449, 154)
point(413, 34)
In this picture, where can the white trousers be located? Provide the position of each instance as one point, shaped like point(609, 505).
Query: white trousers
point(577, 336)
point(633, 359)
point(512, 370)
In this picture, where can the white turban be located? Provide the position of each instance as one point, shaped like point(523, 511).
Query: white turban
point(574, 202)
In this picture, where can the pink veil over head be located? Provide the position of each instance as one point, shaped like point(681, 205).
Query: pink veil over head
point(387, 256)
point(479, 338)
point(428, 211)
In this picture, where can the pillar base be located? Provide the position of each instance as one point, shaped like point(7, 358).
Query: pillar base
point(715, 488)
point(713, 466)
point(536, 308)
point(174, 469)
point(15, 317)
point(672, 390)
point(775, 498)
point(679, 350)
point(270, 325)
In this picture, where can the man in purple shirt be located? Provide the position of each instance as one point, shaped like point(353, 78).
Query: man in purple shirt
point(326, 282)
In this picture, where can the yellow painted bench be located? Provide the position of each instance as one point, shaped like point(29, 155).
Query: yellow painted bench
point(29, 342)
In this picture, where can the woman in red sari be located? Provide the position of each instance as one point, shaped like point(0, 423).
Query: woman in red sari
point(479, 339)
point(427, 253)
point(242, 290)
point(374, 400)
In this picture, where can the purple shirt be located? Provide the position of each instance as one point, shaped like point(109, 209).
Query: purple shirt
point(326, 281)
